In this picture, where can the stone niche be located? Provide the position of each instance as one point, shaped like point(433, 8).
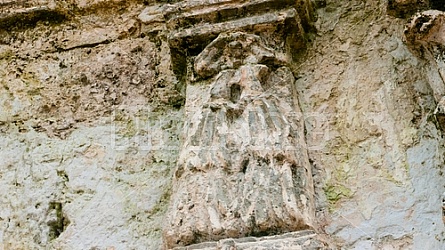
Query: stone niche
point(243, 170)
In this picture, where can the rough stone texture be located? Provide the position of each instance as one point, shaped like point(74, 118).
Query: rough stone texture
point(426, 29)
point(89, 133)
point(79, 72)
point(405, 8)
point(107, 197)
point(243, 168)
point(380, 169)
point(90, 118)
point(297, 241)
point(424, 35)
point(194, 24)
point(243, 126)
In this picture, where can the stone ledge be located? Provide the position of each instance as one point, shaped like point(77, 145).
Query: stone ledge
point(193, 24)
point(11, 8)
point(190, 21)
point(224, 11)
point(197, 36)
point(306, 240)
point(21, 14)
point(17, 15)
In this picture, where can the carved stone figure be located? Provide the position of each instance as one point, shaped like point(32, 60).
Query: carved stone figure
point(243, 169)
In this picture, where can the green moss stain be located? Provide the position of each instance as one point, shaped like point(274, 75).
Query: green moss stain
point(141, 122)
point(335, 192)
point(130, 129)
point(162, 205)
point(60, 222)
point(335, 189)
point(7, 54)
point(389, 177)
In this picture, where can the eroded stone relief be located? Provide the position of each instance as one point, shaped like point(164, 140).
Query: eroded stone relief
point(68, 64)
point(243, 168)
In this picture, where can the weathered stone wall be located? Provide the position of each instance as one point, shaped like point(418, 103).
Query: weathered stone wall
point(90, 125)
point(383, 161)
point(92, 115)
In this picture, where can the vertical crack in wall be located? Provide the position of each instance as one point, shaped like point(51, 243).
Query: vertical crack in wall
point(57, 222)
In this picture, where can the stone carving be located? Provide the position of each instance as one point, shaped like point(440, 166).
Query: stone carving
point(197, 23)
point(243, 168)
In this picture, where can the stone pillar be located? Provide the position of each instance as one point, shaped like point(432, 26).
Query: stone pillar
point(243, 168)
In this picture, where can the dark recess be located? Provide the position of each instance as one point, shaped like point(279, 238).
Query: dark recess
point(23, 21)
point(235, 93)
point(408, 8)
point(56, 227)
point(438, 5)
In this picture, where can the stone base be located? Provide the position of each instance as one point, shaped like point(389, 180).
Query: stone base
point(306, 240)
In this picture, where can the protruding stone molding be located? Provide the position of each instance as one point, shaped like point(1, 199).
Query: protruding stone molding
point(243, 169)
point(194, 24)
point(425, 36)
point(301, 240)
point(8, 7)
point(426, 28)
point(21, 13)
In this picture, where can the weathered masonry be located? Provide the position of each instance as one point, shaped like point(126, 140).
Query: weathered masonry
point(243, 168)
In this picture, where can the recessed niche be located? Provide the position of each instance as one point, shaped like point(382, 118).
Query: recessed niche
point(438, 5)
